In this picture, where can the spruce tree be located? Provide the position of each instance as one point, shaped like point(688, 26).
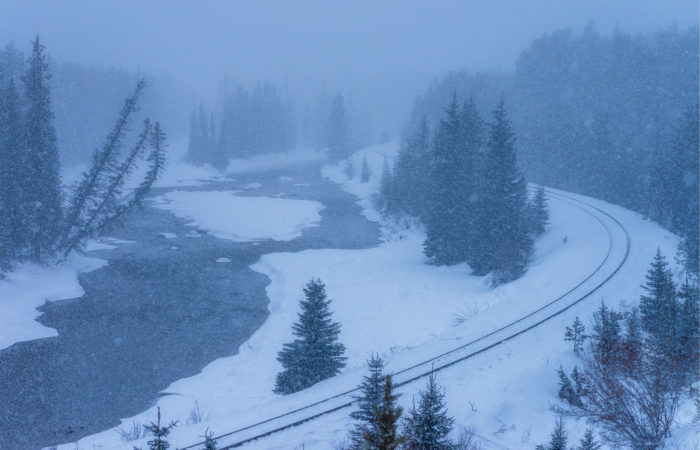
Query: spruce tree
point(370, 396)
point(13, 173)
point(444, 221)
point(606, 335)
point(315, 354)
point(559, 437)
point(567, 392)
point(413, 171)
point(338, 132)
point(576, 334)
point(387, 416)
point(364, 172)
point(506, 245)
point(689, 329)
point(43, 195)
point(659, 306)
point(388, 198)
point(537, 213)
point(159, 434)
point(588, 442)
point(428, 427)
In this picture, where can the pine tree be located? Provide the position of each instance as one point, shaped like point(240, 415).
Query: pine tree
point(429, 426)
point(606, 335)
point(364, 172)
point(413, 172)
point(576, 334)
point(209, 441)
point(315, 354)
point(444, 221)
point(160, 434)
point(98, 203)
point(387, 189)
point(388, 416)
point(588, 442)
point(689, 329)
point(506, 245)
point(370, 396)
point(659, 306)
point(537, 213)
point(559, 437)
point(43, 196)
point(633, 340)
point(338, 134)
point(13, 166)
point(567, 392)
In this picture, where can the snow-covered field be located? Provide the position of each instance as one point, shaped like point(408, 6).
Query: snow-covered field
point(243, 219)
point(30, 286)
point(390, 302)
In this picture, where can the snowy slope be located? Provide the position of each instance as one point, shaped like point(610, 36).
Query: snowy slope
point(390, 302)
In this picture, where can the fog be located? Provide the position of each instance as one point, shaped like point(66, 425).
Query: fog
point(380, 54)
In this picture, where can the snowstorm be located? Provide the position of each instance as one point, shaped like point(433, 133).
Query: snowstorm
point(349, 225)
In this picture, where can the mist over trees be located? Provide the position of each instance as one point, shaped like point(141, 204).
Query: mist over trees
point(467, 189)
point(84, 99)
point(614, 117)
point(35, 224)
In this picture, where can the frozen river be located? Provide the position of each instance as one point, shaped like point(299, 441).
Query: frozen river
point(161, 310)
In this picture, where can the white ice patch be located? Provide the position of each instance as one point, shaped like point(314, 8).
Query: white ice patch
point(167, 235)
point(223, 260)
point(242, 219)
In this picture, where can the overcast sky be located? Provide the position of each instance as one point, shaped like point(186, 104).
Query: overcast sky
point(344, 44)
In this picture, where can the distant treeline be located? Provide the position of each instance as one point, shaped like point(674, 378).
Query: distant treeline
point(86, 99)
point(262, 120)
point(614, 117)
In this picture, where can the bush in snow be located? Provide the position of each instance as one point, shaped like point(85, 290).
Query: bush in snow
point(315, 354)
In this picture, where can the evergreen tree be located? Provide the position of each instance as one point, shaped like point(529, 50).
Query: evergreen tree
point(506, 245)
point(338, 132)
point(43, 195)
point(159, 434)
point(567, 392)
point(633, 339)
point(576, 334)
point(388, 195)
point(370, 397)
point(537, 213)
point(315, 354)
point(445, 220)
point(14, 186)
point(364, 172)
point(98, 204)
point(387, 416)
point(588, 442)
point(689, 329)
point(209, 441)
point(413, 172)
point(659, 307)
point(559, 437)
point(429, 426)
point(606, 335)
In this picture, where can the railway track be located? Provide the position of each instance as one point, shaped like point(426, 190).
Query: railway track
point(611, 264)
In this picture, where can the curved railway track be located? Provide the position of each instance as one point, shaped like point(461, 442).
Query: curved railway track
point(614, 259)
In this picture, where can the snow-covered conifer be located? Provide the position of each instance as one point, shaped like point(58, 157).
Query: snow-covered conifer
point(315, 354)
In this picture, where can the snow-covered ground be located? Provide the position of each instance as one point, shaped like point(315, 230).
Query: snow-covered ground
point(389, 301)
point(228, 216)
point(30, 286)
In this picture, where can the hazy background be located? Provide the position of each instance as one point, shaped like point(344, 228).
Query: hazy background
point(379, 53)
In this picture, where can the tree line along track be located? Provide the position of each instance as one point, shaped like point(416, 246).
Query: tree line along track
point(456, 355)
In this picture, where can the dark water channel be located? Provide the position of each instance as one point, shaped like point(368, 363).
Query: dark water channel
point(161, 310)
